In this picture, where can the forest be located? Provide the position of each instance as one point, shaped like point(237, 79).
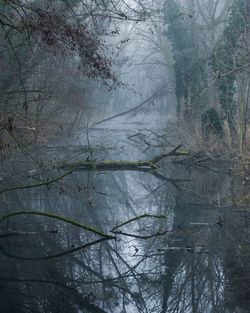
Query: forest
point(125, 156)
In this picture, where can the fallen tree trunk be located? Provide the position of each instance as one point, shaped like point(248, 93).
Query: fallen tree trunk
point(109, 165)
point(150, 166)
point(122, 165)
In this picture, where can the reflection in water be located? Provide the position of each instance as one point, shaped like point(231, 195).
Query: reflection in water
point(190, 253)
point(194, 260)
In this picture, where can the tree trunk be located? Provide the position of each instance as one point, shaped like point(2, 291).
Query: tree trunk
point(121, 165)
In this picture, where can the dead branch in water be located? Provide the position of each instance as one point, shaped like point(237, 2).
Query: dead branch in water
point(123, 165)
point(107, 165)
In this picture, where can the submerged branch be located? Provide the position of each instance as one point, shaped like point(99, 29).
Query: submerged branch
point(140, 236)
point(75, 223)
point(45, 183)
point(138, 218)
point(54, 256)
point(60, 218)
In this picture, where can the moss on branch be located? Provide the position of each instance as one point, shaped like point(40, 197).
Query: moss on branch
point(123, 165)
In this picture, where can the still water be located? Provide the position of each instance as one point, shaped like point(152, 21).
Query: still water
point(185, 248)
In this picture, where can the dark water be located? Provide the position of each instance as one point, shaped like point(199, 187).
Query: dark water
point(187, 249)
point(189, 254)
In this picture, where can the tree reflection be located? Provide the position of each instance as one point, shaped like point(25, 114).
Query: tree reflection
point(194, 260)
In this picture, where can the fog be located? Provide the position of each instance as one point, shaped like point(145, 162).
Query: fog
point(124, 152)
